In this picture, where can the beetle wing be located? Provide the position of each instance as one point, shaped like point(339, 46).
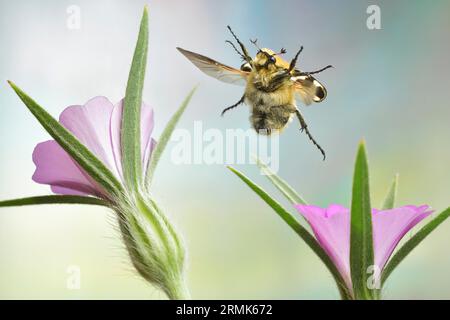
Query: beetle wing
point(216, 69)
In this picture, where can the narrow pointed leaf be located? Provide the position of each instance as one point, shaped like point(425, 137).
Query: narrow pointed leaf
point(79, 152)
point(299, 229)
point(53, 199)
point(291, 195)
point(389, 200)
point(165, 137)
point(412, 243)
point(130, 133)
point(361, 241)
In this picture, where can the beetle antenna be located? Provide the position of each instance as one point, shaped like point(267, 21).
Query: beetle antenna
point(236, 49)
point(244, 50)
point(255, 43)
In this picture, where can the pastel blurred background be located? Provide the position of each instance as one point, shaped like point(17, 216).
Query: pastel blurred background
point(389, 86)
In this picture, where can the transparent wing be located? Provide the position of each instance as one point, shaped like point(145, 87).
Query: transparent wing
point(308, 89)
point(216, 69)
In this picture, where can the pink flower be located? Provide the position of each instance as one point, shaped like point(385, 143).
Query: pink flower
point(331, 227)
point(97, 125)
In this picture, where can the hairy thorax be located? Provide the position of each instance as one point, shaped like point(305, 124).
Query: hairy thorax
point(260, 91)
point(271, 108)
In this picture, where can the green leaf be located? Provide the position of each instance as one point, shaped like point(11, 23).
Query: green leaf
point(361, 246)
point(79, 152)
point(291, 195)
point(412, 243)
point(131, 115)
point(300, 230)
point(53, 199)
point(389, 201)
point(164, 138)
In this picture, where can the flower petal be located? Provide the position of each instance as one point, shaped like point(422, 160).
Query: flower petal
point(97, 125)
point(331, 227)
point(389, 227)
point(56, 168)
point(147, 143)
point(91, 125)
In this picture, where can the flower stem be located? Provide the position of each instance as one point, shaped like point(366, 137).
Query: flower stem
point(178, 291)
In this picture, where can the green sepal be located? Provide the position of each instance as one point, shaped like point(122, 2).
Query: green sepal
point(131, 114)
point(361, 241)
point(389, 200)
point(164, 139)
point(290, 194)
point(53, 199)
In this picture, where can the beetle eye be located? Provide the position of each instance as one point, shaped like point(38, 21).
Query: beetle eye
point(246, 67)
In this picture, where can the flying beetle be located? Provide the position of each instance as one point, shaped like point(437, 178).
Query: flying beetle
point(272, 86)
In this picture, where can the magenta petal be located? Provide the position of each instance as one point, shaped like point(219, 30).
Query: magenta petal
point(331, 227)
point(56, 168)
point(97, 125)
point(147, 153)
point(91, 125)
point(147, 143)
point(389, 227)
